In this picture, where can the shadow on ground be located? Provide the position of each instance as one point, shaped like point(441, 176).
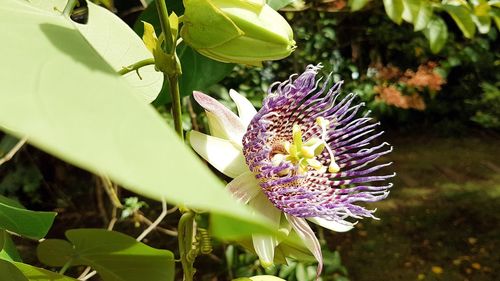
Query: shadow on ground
point(441, 221)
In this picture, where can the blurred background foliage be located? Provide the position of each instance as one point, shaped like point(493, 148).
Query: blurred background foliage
point(391, 67)
point(437, 76)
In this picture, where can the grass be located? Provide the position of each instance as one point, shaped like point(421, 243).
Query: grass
point(441, 220)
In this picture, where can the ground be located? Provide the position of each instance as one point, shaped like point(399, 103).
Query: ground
point(441, 221)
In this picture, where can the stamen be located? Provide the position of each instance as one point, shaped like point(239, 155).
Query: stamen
point(323, 124)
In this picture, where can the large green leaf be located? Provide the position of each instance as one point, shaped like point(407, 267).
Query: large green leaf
point(199, 72)
point(24, 222)
point(71, 103)
point(394, 9)
point(115, 256)
point(463, 18)
point(9, 272)
point(120, 47)
point(437, 33)
point(40, 274)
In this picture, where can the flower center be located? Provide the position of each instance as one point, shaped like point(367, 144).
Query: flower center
point(303, 154)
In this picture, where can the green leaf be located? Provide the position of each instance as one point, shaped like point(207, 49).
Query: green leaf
point(394, 9)
point(9, 272)
point(26, 223)
point(437, 33)
point(40, 274)
point(357, 5)
point(9, 251)
point(278, 4)
point(115, 256)
point(199, 72)
point(90, 118)
point(425, 14)
point(463, 18)
point(55, 252)
point(411, 9)
point(2, 238)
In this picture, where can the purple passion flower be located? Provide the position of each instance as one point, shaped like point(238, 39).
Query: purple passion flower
point(305, 155)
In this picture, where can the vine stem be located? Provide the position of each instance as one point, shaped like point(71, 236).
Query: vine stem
point(173, 76)
point(69, 7)
point(13, 151)
point(185, 229)
point(65, 266)
point(173, 81)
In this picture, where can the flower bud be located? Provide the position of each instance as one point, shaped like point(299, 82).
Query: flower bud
point(236, 31)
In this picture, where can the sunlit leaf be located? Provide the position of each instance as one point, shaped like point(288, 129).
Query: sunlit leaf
point(394, 9)
point(357, 5)
point(115, 256)
point(40, 274)
point(9, 272)
point(24, 222)
point(121, 47)
point(463, 18)
point(437, 33)
point(69, 102)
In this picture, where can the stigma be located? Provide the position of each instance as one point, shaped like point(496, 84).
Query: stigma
point(304, 154)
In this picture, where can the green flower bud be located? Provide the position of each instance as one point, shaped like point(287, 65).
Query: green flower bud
point(238, 31)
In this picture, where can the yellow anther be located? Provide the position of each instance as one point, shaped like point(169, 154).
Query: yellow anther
point(315, 164)
point(322, 122)
point(333, 167)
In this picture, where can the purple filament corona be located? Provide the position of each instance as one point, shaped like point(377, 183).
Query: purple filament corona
point(329, 195)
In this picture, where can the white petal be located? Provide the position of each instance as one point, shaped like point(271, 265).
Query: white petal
point(264, 247)
point(228, 125)
point(220, 153)
point(244, 187)
point(264, 244)
point(246, 111)
point(342, 226)
point(308, 237)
